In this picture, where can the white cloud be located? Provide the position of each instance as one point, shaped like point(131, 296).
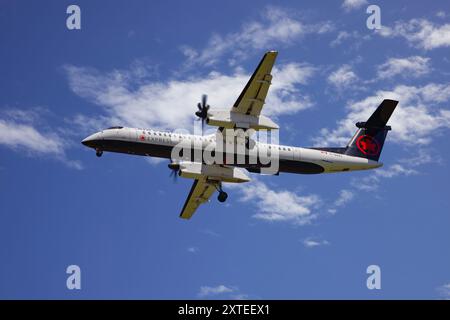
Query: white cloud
point(30, 116)
point(421, 157)
point(436, 93)
point(411, 67)
point(276, 204)
point(441, 14)
point(276, 27)
point(240, 296)
point(206, 291)
point(17, 135)
point(171, 104)
point(211, 233)
point(24, 136)
point(444, 291)
point(371, 182)
point(345, 35)
point(420, 33)
point(230, 292)
point(343, 77)
point(193, 249)
point(416, 120)
point(345, 196)
point(395, 170)
point(312, 242)
point(353, 4)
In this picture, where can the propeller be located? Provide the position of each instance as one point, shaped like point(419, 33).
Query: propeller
point(202, 112)
point(174, 170)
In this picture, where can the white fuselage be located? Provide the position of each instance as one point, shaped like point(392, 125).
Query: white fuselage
point(156, 143)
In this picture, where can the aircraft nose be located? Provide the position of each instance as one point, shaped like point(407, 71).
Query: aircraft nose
point(91, 140)
point(85, 141)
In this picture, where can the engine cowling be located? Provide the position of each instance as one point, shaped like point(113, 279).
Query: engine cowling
point(195, 170)
point(230, 119)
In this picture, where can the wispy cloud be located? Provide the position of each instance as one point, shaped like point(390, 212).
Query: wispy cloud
point(371, 182)
point(410, 67)
point(193, 250)
point(441, 14)
point(349, 5)
point(312, 242)
point(395, 170)
point(444, 291)
point(229, 292)
point(276, 27)
point(420, 33)
point(342, 78)
point(16, 135)
point(19, 131)
point(206, 291)
point(210, 232)
point(344, 36)
point(275, 204)
point(345, 196)
point(158, 104)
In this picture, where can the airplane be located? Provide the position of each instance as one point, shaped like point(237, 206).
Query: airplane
point(361, 153)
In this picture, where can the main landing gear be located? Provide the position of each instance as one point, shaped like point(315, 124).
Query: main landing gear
point(222, 197)
point(98, 152)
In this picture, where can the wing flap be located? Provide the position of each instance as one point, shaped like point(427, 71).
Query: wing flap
point(201, 191)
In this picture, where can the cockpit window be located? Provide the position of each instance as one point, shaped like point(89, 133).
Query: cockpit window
point(117, 127)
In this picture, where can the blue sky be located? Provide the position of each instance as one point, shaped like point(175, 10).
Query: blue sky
point(285, 237)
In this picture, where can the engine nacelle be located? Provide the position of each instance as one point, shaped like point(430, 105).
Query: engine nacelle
point(195, 170)
point(230, 120)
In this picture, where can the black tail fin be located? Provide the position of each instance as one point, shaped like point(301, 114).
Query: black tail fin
point(369, 139)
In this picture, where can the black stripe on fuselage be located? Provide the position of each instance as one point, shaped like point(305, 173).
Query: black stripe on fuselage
point(164, 151)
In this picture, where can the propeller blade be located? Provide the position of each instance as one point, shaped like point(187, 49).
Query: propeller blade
point(175, 176)
point(203, 108)
point(174, 170)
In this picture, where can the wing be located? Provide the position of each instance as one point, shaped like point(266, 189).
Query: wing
point(200, 192)
point(252, 98)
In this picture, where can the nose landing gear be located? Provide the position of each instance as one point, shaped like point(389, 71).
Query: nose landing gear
point(98, 152)
point(222, 197)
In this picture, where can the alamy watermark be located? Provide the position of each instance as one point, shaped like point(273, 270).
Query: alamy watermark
point(73, 281)
point(249, 148)
point(374, 20)
point(374, 280)
point(73, 21)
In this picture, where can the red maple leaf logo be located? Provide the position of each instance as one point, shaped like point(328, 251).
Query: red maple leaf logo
point(368, 145)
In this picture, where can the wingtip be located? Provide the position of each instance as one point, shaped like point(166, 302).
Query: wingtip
point(391, 101)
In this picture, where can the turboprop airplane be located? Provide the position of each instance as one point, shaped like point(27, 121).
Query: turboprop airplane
point(227, 155)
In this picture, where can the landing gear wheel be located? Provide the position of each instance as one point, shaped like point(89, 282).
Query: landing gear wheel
point(98, 153)
point(222, 196)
